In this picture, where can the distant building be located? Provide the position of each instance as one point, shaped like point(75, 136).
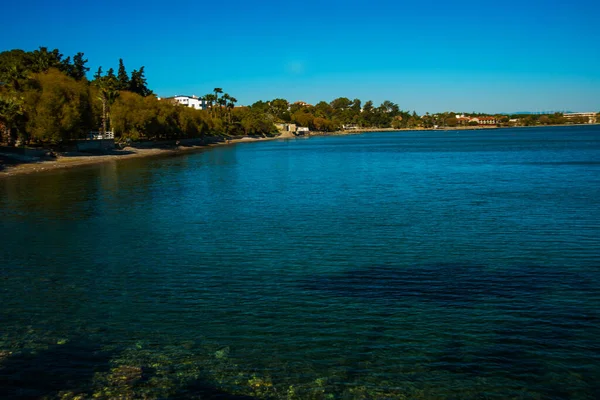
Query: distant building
point(591, 116)
point(302, 131)
point(486, 120)
point(303, 104)
point(462, 120)
point(191, 101)
point(286, 127)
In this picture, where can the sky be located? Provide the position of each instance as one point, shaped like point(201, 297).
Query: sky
point(428, 55)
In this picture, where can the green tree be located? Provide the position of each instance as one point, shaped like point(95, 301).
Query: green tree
point(544, 120)
point(12, 116)
point(42, 60)
point(210, 100)
point(280, 109)
point(14, 68)
point(122, 76)
point(79, 69)
point(451, 122)
point(58, 107)
point(323, 110)
point(137, 83)
point(303, 118)
point(107, 94)
point(254, 123)
point(229, 105)
point(217, 91)
point(98, 74)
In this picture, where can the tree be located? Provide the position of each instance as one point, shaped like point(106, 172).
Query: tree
point(78, 70)
point(107, 94)
point(58, 107)
point(254, 123)
point(12, 116)
point(137, 84)
point(229, 105)
point(98, 74)
point(303, 118)
point(451, 121)
point(280, 109)
point(122, 76)
point(14, 76)
point(210, 100)
point(324, 125)
point(323, 110)
point(341, 103)
point(217, 91)
point(42, 60)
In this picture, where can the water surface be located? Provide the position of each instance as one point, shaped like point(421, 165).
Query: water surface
point(419, 264)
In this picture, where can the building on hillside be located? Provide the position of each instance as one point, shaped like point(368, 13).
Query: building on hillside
point(191, 101)
point(302, 130)
point(303, 104)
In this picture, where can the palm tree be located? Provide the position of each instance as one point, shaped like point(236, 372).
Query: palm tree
point(217, 91)
point(12, 114)
point(108, 94)
point(229, 104)
point(15, 75)
point(210, 99)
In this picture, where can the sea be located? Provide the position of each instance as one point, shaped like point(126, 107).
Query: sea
point(385, 265)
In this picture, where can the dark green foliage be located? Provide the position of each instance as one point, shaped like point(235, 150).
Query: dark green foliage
point(137, 84)
point(98, 73)
point(122, 76)
point(79, 69)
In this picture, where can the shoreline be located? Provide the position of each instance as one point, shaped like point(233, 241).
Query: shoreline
point(127, 153)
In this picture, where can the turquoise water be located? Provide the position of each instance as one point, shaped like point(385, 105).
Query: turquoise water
point(428, 265)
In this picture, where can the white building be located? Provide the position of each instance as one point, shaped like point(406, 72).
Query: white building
point(591, 116)
point(191, 101)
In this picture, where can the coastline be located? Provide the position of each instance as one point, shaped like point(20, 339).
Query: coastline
point(82, 159)
point(72, 160)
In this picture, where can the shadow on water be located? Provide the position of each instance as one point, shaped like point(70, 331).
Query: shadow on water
point(97, 153)
point(520, 320)
point(67, 367)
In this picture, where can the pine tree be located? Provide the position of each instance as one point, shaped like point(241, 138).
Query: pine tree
point(137, 83)
point(79, 69)
point(122, 76)
point(98, 74)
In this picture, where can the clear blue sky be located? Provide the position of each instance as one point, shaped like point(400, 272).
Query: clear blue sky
point(424, 55)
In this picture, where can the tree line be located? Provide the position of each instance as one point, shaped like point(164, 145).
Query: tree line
point(46, 98)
